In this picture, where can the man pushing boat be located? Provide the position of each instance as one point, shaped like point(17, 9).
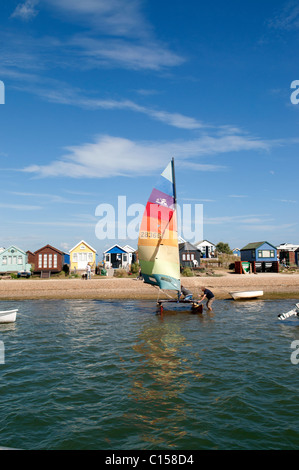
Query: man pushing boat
point(207, 294)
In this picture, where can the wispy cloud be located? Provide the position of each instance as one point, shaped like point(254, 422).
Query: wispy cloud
point(111, 156)
point(49, 198)
point(255, 223)
point(113, 17)
point(146, 54)
point(262, 227)
point(287, 201)
point(287, 18)
point(252, 219)
point(118, 35)
point(68, 96)
point(196, 199)
point(26, 11)
point(19, 207)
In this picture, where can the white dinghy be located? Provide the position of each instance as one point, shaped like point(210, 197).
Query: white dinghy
point(248, 294)
point(8, 316)
point(294, 311)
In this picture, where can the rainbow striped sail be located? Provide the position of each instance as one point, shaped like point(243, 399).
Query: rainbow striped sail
point(158, 240)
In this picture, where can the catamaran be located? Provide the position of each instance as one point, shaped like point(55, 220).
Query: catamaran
point(158, 249)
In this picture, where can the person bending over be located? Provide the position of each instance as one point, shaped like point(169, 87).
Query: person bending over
point(207, 294)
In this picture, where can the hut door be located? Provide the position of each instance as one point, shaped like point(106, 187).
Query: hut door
point(82, 261)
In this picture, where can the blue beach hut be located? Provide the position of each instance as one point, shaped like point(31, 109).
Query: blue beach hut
point(262, 256)
point(116, 257)
point(259, 251)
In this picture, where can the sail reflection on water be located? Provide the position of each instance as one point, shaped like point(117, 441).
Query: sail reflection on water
point(159, 382)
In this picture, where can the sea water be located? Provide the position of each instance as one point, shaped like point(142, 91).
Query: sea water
point(113, 375)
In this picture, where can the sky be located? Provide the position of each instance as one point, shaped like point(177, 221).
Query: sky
point(99, 96)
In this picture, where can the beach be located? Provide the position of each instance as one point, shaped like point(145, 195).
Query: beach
point(274, 286)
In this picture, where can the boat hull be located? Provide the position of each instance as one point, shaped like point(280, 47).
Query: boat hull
point(8, 316)
point(179, 306)
point(245, 295)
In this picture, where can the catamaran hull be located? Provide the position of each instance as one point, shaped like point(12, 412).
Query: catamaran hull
point(175, 306)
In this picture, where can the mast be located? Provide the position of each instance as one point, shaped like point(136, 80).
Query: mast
point(173, 179)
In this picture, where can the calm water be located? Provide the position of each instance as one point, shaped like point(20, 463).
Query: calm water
point(113, 375)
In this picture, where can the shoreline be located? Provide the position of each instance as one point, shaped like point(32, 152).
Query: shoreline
point(275, 286)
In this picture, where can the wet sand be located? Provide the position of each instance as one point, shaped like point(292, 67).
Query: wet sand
point(273, 285)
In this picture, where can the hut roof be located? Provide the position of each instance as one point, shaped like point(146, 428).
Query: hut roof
point(255, 245)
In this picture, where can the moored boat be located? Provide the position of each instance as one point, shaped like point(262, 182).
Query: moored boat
point(249, 294)
point(8, 316)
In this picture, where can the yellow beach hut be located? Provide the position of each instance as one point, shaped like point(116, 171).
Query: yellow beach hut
point(81, 255)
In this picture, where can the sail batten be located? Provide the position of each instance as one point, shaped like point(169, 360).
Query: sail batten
point(158, 240)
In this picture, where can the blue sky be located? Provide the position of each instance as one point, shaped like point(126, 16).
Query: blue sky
point(99, 96)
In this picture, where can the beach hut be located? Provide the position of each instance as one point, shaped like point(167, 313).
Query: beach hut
point(207, 248)
point(189, 255)
point(132, 254)
point(297, 256)
point(286, 253)
point(81, 255)
point(14, 260)
point(47, 260)
point(118, 257)
point(261, 255)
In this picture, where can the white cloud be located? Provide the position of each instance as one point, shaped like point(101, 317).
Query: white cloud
point(58, 92)
point(113, 17)
point(118, 35)
point(50, 198)
point(238, 219)
point(20, 207)
point(145, 54)
point(287, 201)
point(111, 156)
point(287, 18)
point(268, 227)
point(26, 11)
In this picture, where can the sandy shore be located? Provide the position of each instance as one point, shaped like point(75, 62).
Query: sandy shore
point(273, 285)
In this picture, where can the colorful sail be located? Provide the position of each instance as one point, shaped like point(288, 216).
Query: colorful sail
point(158, 240)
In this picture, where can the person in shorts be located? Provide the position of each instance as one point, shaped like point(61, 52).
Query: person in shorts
point(207, 294)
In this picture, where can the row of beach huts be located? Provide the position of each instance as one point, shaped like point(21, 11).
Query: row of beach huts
point(47, 260)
